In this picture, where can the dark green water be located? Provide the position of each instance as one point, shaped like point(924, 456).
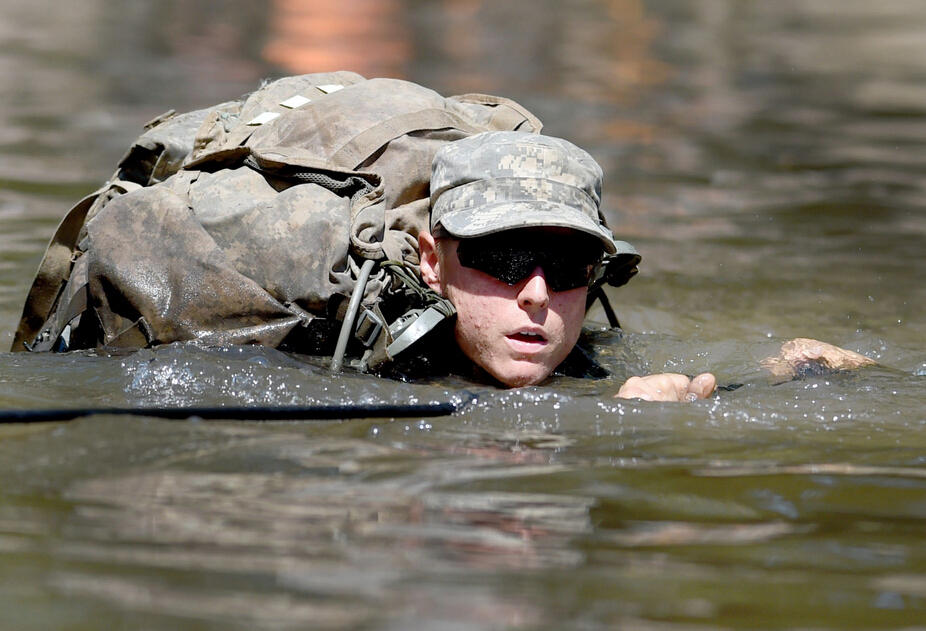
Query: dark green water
point(768, 159)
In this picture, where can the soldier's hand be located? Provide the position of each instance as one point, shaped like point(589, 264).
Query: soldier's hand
point(803, 356)
point(668, 387)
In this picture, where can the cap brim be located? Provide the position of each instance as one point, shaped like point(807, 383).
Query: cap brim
point(508, 215)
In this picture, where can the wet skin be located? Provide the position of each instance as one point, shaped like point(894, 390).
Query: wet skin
point(517, 333)
point(520, 333)
point(668, 387)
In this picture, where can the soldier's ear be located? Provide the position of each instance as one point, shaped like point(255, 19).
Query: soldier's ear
point(429, 258)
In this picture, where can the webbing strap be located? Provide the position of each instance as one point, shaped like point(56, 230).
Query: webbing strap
point(598, 293)
point(77, 305)
point(355, 151)
point(55, 267)
point(506, 118)
point(52, 272)
point(506, 115)
point(55, 333)
point(136, 335)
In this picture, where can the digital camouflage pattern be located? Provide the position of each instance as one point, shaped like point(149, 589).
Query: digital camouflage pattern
point(248, 222)
point(503, 180)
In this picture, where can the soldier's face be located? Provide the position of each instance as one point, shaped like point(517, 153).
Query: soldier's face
point(517, 333)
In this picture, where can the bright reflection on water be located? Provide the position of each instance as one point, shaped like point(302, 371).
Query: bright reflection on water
point(766, 158)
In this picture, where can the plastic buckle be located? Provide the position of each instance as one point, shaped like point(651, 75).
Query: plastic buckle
point(368, 328)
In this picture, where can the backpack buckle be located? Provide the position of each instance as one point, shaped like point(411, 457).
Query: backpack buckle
point(369, 326)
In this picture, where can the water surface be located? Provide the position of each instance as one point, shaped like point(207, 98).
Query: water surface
point(768, 161)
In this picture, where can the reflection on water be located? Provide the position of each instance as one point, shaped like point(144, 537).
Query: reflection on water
point(767, 159)
point(366, 36)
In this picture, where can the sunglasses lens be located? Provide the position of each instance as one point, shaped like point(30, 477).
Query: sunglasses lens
point(496, 259)
point(565, 265)
point(565, 275)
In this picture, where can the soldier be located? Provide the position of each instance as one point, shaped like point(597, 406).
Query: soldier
point(516, 239)
point(290, 218)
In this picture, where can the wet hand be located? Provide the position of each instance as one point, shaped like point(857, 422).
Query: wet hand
point(802, 356)
point(668, 387)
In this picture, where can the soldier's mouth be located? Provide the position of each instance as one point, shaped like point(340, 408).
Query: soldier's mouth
point(528, 337)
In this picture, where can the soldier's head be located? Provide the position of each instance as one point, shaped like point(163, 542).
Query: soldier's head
point(516, 236)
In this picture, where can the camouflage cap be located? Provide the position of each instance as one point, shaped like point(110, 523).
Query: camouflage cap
point(503, 180)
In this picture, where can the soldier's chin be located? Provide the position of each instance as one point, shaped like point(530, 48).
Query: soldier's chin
point(518, 374)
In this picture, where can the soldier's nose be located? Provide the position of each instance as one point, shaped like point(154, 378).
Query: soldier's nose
point(534, 295)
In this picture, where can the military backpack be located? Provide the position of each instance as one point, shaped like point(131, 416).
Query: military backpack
point(287, 218)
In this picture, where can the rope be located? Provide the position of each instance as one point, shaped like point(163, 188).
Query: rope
point(250, 413)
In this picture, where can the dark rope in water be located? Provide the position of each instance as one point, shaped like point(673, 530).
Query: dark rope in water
point(247, 413)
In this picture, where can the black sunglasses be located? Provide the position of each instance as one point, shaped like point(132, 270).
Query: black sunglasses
point(567, 260)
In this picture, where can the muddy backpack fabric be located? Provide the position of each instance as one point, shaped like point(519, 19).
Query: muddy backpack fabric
point(250, 222)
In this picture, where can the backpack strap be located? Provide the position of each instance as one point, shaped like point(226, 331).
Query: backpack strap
point(506, 115)
point(55, 268)
point(356, 151)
